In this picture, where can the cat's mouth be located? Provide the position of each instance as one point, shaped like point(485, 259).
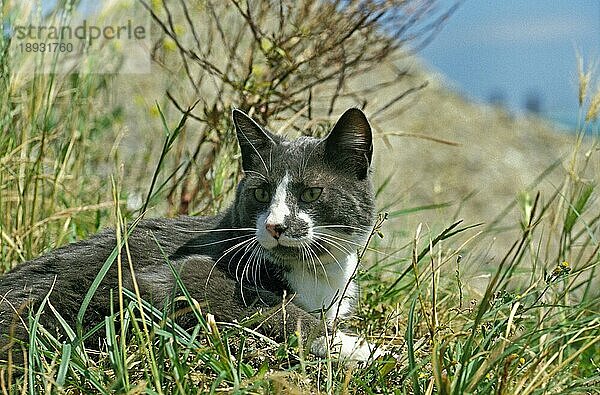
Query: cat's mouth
point(319, 247)
point(299, 252)
point(286, 251)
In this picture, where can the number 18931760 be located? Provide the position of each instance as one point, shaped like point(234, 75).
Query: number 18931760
point(46, 47)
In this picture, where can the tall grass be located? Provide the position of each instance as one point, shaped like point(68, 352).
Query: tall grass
point(532, 328)
point(535, 328)
point(52, 190)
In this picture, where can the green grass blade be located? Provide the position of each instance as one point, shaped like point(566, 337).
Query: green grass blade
point(99, 277)
point(64, 365)
point(417, 209)
point(412, 365)
point(575, 211)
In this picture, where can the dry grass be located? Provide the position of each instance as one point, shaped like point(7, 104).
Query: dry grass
point(457, 318)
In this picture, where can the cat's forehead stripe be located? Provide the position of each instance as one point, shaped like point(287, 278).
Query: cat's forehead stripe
point(279, 209)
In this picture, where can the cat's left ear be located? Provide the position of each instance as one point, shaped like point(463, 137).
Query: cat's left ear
point(349, 145)
point(253, 140)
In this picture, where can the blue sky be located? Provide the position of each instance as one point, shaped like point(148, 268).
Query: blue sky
point(519, 47)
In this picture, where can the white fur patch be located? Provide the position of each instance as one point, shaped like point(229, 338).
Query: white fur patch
point(263, 237)
point(275, 215)
point(279, 209)
point(347, 347)
point(309, 223)
point(327, 287)
point(298, 242)
point(353, 347)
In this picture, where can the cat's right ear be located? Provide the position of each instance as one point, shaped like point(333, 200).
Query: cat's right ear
point(349, 145)
point(253, 140)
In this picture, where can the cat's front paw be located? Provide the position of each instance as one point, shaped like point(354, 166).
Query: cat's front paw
point(347, 347)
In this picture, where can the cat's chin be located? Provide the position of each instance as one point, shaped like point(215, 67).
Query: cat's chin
point(294, 256)
point(284, 254)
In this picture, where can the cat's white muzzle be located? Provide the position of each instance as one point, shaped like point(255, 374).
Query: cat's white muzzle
point(268, 241)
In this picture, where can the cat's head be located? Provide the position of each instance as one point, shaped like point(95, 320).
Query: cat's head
point(310, 200)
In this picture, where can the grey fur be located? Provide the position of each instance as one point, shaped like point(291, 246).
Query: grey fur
point(231, 282)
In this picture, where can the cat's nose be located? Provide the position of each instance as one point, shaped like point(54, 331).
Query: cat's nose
point(275, 230)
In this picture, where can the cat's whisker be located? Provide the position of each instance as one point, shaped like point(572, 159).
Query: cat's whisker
point(313, 261)
point(252, 265)
point(316, 257)
point(302, 257)
point(224, 254)
point(307, 257)
point(258, 174)
point(256, 273)
point(245, 250)
point(316, 242)
point(235, 249)
point(350, 238)
point(178, 228)
point(340, 246)
point(307, 260)
point(218, 242)
point(256, 283)
point(270, 159)
point(262, 256)
point(356, 239)
point(308, 253)
point(248, 263)
point(250, 252)
point(333, 242)
point(345, 240)
point(250, 248)
point(326, 275)
point(254, 262)
point(367, 229)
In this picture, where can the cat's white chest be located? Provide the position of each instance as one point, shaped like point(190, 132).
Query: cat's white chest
point(325, 287)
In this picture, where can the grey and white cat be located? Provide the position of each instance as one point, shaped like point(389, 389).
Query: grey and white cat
point(302, 210)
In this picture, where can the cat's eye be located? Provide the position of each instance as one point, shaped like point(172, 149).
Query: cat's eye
point(311, 194)
point(261, 195)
